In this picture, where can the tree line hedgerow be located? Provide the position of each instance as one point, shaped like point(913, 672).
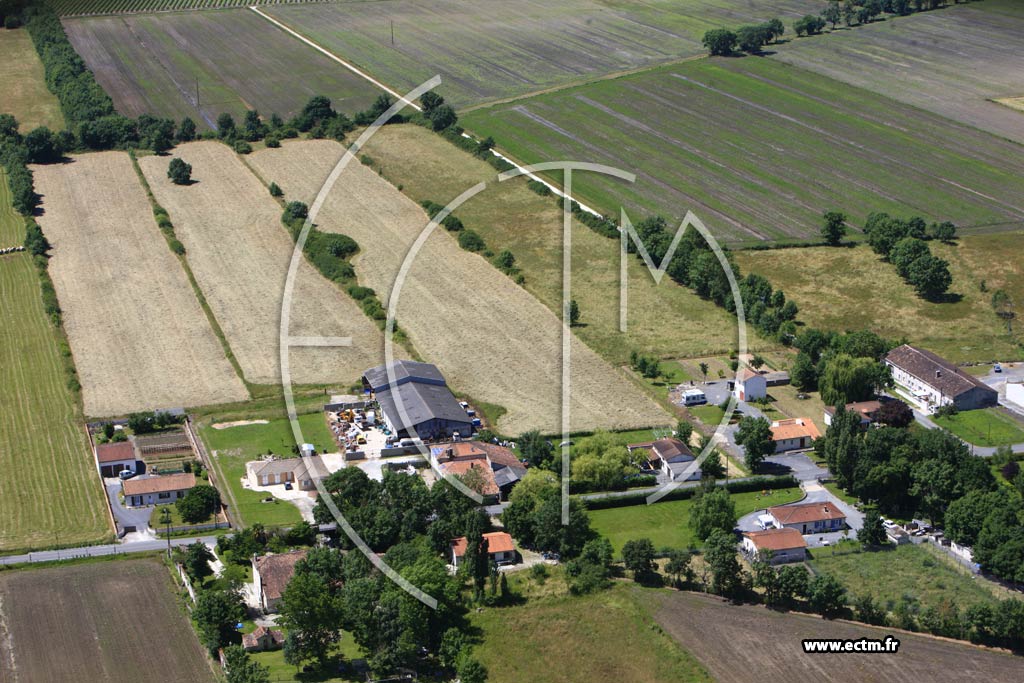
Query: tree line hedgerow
point(751, 38)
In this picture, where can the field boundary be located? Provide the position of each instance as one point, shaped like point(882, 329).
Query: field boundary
point(196, 290)
point(348, 65)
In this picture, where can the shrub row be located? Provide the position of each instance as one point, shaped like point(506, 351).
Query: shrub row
point(762, 483)
point(330, 254)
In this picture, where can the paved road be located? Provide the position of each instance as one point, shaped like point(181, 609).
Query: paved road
point(103, 550)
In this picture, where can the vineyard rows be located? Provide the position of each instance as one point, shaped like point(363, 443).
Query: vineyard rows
point(90, 8)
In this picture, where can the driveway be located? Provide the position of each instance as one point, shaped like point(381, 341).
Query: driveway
point(799, 464)
point(814, 492)
point(125, 517)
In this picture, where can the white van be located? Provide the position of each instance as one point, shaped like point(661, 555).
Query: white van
point(694, 397)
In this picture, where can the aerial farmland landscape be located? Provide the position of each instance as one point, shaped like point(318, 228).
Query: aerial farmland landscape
point(467, 341)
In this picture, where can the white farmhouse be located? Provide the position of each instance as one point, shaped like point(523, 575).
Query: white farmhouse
point(931, 381)
point(750, 385)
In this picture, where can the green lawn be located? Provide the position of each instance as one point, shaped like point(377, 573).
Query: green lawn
point(708, 414)
point(236, 446)
point(839, 493)
point(608, 636)
point(667, 523)
point(916, 571)
point(346, 651)
point(276, 437)
point(51, 494)
point(987, 427)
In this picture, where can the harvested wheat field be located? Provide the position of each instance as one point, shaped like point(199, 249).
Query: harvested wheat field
point(493, 340)
point(239, 251)
point(139, 336)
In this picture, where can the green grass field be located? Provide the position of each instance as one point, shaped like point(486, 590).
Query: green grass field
point(912, 570)
point(665, 320)
point(759, 149)
point(667, 523)
point(851, 288)
point(25, 93)
point(604, 637)
point(839, 493)
point(51, 494)
point(236, 446)
point(987, 427)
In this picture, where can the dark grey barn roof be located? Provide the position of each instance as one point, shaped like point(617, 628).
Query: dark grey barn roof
point(421, 402)
point(404, 371)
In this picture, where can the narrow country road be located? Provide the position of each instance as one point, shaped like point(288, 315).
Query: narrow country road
point(103, 550)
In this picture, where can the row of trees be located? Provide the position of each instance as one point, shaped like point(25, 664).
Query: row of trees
point(934, 474)
point(751, 38)
point(903, 242)
point(846, 367)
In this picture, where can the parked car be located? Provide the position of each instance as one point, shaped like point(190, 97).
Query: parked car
point(126, 474)
point(997, 368)
point(287, 486)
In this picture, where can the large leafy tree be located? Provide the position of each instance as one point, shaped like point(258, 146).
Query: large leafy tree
point(720, 556)
point(720, 41)
point(217, 612)
point(846, 379)
point(712, 510)
point(638, 556)
point(827, 596)
point(312, 613)
point(755, 435)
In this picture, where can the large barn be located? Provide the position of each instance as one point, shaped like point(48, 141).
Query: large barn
point(932, 381)
point(416, 401)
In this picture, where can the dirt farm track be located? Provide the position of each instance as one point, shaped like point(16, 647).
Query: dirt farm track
point(139, 337)
point(116, 622)
point(491, 338)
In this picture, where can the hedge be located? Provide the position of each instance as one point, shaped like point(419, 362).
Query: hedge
point(738, 486)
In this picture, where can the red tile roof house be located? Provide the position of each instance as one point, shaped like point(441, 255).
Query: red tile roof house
point(500, 548)
point(794, 434)
point(157, 490)
point(808, 518)
point(271, 574)
point(784, 545)
point(113, 458)
point(263, 639)
point(496, 465)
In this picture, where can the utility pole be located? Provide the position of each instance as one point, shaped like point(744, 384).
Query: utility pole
point(198, 108)
point(392, 32)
